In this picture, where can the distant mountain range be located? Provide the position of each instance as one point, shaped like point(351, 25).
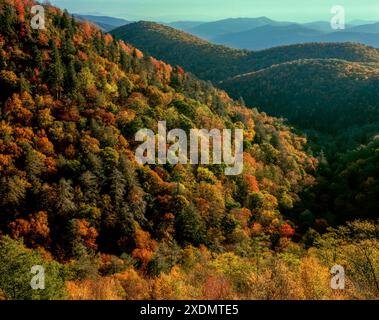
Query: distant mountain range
point(262, 32)
point(211, 30)
point(268, 36)
point(105, 23)
point(272, 36)
point(367, 28)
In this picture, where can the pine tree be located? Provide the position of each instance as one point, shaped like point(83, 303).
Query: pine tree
point(136, 63)
point(8, 19)
point(124, 61)
point(71, 79)
point(2, 60)
point(37, 57)
point(56, 72)
point(65, 202)
point(113, 51)
point(65, 20)
point(189, 227)
point(12, 191)
point(90, 186)
point(117, 188)
point(218, 105)
point(67, 49)
point(99, 43)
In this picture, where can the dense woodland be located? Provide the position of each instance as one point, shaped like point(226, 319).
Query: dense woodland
point(218, 63)
point(207, 61)
point(321, 88)
point(290, 89)
point(73, 198)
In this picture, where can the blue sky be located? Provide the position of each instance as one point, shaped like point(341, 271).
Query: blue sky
point(171, 10)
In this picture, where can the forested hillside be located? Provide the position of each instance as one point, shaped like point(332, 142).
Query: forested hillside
point(73, 198)
point(353, 52)
point(347, 92)
point(205, 60)
point(217, 63)
point(355, 185)
point(327, 89)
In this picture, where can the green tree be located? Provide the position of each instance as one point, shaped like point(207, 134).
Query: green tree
point(16, 263)
point(189, 227)
point(65, 203)
point(56, 71)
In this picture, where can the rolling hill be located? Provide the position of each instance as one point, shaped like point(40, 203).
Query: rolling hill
point(71, 188)
point(217, 63)
point(267, 36)
point(212, 30)
point(323, 26)
point(75, 200)
point(184, 25)
point(271, 36)
point(366, 28)
point(105, 23)
point(353, 52)
point(262, 33)
point(271, 79)
point(328, 95)
point(206, 60)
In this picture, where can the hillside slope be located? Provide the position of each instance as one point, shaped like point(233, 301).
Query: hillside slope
point(74, 200)
point(211, 62)
point(272, 79)
point(217, 63)
point(343, 51)
point(70, 184)
point(328, 95)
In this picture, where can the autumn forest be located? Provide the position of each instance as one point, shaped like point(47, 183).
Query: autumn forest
point(74, 199)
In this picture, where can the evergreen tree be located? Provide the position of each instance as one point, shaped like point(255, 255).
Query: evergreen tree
point(124, 60)
point(65, 202)
point(117, 186)
point(65, 22)
point(37, 57)
point(12, 192)
point(71, 80)
point(8, 18)
point(33, 164)
point(113, 51)
point(56, 71)
point(67, 49)
point(2, 60)
point(189, 227)
point(90, 186)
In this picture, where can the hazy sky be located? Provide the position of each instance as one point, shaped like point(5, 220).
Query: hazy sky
point(171, 10)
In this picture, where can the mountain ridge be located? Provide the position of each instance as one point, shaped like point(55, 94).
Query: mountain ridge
point(235, 63)
point(106, 23)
